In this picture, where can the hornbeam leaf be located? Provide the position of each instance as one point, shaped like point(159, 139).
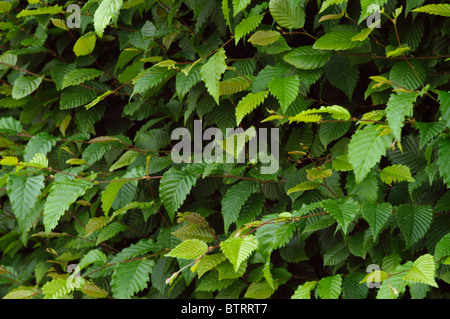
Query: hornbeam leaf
point(444, 160)
point(189, 249)
point(344, 211)
point(423, 271)
point(285, 89)
point(107, 10)
point(366, 148)
point(307, 58)
point(283, 14)
point(376, 214)
point(131, 277)
point(174, 187)
point(437, 9)
point(238, 249)
point(25, 85)
point(414, 221)
point(396, 173)
point(248, 103)
point(330, 287)
point(212, 71)
point(62, 195)
point(262, 37)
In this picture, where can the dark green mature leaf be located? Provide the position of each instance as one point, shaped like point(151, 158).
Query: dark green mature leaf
point(174, 188)
point(131, 277)
point(61, 197)
point(443, 160)
point(414, 221)
point(24, 192)
point(235, 199)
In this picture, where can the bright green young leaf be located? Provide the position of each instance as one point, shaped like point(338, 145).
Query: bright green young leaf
point(248, 103)
point(285, 89)
point(423, 271)
point(238, 249)
point(189, 249)
point(85, 45)
point(212, 71)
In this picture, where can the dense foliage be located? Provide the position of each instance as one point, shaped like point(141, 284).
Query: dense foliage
point(92, 204)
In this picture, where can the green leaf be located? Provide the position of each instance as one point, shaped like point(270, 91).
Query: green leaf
point(78, 76)
point(423, 271)
point(174, 187)
point(283, 14)
point(436, 9)
point(307, 58)
point(338, 40)
point(189, 249)
point(246, 26)
point(56, 288)
point(126, 159)
point(259, 290)
point(376, 214)
point(209, 262)
point(330, 287)
point(131, 277)
point(92, 257)
point(239, 5)
point(366, 5)
point(408, 75)
point(304, 291)
point(234, 200)
point(443, 160)
point(366, 148)
point(428, 131)
point(184, 83)
point(238, 249)
point(342, 74)
point(303, 186)
point(414, 221)
point(95, 224)
point(40, 143)
point(7, 60)
point(344, 211)
point(352, 288)
point(328, 3)
point(235, 85)
point(85, 45)
point(262, 37)
point(248, 103)
point(442, 247)
point(21, 292)
point(107, 10)
point(444, 98)
point(25, 85)
point(5, 6)
point(110, 231)
point(10, 125)
point(24, 192)
point(285, 89)
point(396, 173)
point(62, 196)
point(41, 10)
point(150, 78)
point(212, 71)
